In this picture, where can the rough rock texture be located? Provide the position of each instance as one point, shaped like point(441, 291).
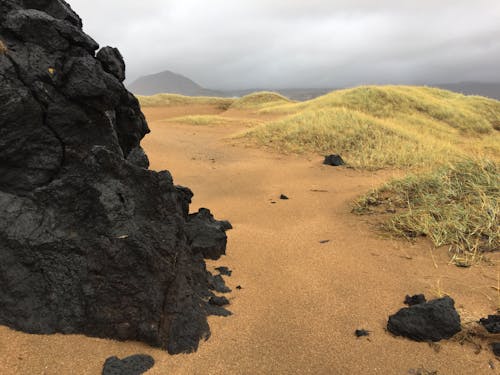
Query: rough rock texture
point(334, 160)
point(491, 323)
point(431, 321)
point(134, 365)
point(206, 235)
point(414, 300)
point(495, 347)
point(90, 240)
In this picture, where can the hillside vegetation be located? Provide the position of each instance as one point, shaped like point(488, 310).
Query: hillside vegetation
point(449, 141)
point(170, 100)
point(456, 205)
point(386, 126)
point(260, 101)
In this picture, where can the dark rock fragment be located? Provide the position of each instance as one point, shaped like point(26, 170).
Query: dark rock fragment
point(112, 62)
point(324, 241)
point(361, 332)
point(207, 235)
point(218, 301)
point(495, 347)
point(218, 284)
point(491, 323)
point(224, 271)
point(431, 321)
point(134, 365)
point(415, 299)
point(334, 160)
point(138, 157)
point(283, 197)
point(239, 287)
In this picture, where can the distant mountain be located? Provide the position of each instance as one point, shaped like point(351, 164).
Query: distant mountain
point(168, 82)
point(173, 83)
point(490, 90)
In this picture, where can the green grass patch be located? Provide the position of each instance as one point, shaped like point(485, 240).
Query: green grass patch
point(456, 205)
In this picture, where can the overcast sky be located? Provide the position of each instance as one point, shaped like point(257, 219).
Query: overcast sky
point(240, 44)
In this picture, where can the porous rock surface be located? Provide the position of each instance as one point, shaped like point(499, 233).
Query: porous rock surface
point(91, 241)
point(136, 364)
point(427, 321)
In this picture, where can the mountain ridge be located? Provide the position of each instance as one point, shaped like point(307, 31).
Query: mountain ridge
point(174, 83)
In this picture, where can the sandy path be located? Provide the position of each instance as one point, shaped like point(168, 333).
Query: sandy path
point(301, 300)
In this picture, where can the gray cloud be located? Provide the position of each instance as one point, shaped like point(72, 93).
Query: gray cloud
point(306, 43)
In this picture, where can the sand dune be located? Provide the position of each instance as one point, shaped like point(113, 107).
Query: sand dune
point(300, 300)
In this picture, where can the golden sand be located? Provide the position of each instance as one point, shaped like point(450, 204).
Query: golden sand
point(301, 300)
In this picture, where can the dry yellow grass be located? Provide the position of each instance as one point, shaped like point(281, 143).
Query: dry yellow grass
point(370, 126)
point(212, 120)
point(3, 48)
point(386, 126)
point(260, 101)
point(166, 100)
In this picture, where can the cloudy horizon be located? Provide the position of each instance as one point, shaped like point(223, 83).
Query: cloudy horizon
point(292, 43)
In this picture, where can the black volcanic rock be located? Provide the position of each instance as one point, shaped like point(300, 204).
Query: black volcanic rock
point(491, 323)
point(333, 160)
point(91, 241)
point(207, 235)
point(431, 321)
point(112, 62)
point(134, 365)
point(414, 300)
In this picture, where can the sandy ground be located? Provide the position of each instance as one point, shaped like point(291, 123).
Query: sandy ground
point(300, 300)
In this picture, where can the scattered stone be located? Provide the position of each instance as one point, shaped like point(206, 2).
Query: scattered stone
point(491, 323)
point(239, 287)
point(218, 301)
point(224, 271)
point(431, 321)
point(361, 332)
point(334, 160)
point(134, 365)
point(85, 227)
point(218, 284)
point(324, 241)
point(414, 300)
point(284, 197)
point(273, 202)
point(491, 364)
point(496, 348)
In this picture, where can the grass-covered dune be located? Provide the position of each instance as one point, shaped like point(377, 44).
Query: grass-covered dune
point(386, 126)
point(170, 100)
point(260, 101)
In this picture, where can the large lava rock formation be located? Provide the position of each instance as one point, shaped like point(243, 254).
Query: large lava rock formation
point(91, 241)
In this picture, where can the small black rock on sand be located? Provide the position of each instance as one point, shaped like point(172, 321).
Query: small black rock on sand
point(429, 321)
point(134, 365)
point(333, 160)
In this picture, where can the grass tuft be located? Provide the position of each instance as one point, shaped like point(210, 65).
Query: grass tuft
point(260, 100)
point(3, 48)
point(457, 205)
point(212, 120)
point(171, 100)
